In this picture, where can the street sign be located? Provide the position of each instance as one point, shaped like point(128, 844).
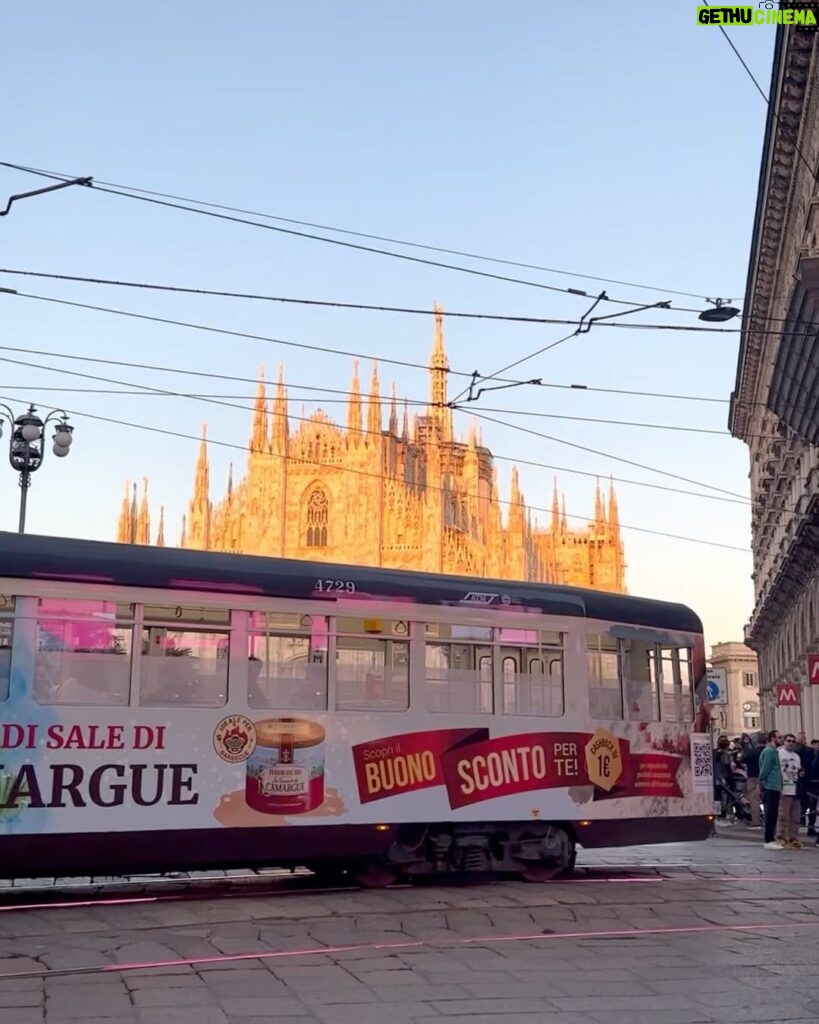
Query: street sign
point(716, 686)
point(813, 669)
point(787, 695)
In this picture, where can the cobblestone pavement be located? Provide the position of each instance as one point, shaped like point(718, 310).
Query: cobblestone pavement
point(715, 932)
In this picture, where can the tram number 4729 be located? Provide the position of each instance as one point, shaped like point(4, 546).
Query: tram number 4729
point(324, 586)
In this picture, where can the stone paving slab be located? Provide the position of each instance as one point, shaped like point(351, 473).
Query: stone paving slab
point(640, 935)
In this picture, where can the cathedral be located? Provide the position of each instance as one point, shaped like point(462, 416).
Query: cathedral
point(411, 496)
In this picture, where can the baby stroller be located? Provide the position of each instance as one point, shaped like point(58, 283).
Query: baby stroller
point(733, 800)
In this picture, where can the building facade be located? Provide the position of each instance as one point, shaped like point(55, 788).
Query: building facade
point(408, 496)
point(742, 712)
point(775, 403)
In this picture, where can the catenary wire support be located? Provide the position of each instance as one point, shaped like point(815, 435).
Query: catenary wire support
point(42, 191)
point(587, 321)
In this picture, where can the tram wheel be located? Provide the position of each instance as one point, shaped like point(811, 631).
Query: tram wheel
point(375, 874)
point(558, 856)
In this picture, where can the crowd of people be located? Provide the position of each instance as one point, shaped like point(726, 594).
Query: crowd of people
point(771, 777)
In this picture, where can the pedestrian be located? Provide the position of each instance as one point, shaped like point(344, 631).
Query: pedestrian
point(723, 775)
point(752, 748)
point(770, 782)
point(790, 807)
point(812, 786)
point(805, 754)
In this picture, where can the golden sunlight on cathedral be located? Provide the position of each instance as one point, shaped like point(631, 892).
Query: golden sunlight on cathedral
point(412, 496)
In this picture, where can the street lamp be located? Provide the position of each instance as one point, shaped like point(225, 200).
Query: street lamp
point(27, 446)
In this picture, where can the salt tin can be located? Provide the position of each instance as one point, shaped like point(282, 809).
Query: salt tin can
point(285, 772)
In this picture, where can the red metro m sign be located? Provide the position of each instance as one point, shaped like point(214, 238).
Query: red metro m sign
point(787, 695)
point(813, 669)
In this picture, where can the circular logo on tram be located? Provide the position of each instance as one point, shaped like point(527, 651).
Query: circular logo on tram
point(234, 738)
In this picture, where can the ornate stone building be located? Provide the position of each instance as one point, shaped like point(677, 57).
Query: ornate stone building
point(741, 713)
point(411, 496)
point(775, 404)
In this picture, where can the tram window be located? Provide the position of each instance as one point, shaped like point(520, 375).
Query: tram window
point(532, 674)
point(640, 681)
point(184, 663)
point(6, 635)
point(371, 665)
point(604, 658)
point(459, 678)
point(287, 661)
point(83, 652)
point(687, 684)
point(675, 678)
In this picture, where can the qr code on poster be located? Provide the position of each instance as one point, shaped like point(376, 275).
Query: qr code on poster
point(702, 764)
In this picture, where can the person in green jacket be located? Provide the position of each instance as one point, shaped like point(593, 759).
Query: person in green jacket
point(770, 782)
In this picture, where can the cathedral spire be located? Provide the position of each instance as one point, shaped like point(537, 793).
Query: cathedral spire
point(258, 436)
point(183, 540)
point(354, 407)
point(230, 483)
point(555, 510)
point(374, 407)
point(614, 514)
point(143, 523)
point(394, 412)
point(599, 510)
point(125, 526)
point(405, 425)
point(279, 428)
point(564, 519)
point(201, 487)
point(160, 533)
point(439, 368)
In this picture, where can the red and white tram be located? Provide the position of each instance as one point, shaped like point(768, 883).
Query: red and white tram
point(170, 709)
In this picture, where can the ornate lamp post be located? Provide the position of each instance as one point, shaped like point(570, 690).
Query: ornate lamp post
point(27, 446)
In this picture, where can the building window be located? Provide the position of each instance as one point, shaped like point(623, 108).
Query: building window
point(184, 657)
point(318, 514)
point(750, 721)
point(6, 635)
point(83, 652)
point(749, 679)
point(287, 661)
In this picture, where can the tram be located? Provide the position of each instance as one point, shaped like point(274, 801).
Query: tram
point(165, 709)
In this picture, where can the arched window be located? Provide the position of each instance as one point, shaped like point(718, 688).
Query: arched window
point(318, 509)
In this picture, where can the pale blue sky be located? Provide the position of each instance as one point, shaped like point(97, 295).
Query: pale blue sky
point(619, 140)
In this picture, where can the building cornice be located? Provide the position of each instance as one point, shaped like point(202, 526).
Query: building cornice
point(789, 80)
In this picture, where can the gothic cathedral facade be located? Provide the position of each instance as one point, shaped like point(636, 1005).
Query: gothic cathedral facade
point(412, 496)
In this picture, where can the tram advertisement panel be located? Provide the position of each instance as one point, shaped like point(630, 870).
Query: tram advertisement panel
point(208, 769)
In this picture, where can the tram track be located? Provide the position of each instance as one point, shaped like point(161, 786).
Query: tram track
point(70, 894)
point(548, 936)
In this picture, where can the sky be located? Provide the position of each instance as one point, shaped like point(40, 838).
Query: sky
point(621, 141)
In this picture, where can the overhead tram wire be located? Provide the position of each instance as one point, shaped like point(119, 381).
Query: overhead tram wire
point(141, 192)
point(413, 310)
point(333, 304)
point(365, 473)
point(380, 359)
point(602, 454)
point(150, 390)
point(387, 360)
point(570, 291)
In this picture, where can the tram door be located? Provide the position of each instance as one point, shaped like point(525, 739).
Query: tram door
point(523, 673)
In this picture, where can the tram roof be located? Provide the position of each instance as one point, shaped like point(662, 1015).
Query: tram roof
point(183, 569)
